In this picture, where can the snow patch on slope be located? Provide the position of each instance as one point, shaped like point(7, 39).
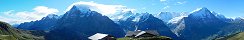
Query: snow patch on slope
point(167, 16)
point(176, 19)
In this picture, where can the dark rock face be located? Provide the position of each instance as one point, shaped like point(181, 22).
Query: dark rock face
point(78, 24)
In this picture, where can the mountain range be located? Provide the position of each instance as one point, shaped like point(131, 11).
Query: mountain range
point(80, 22)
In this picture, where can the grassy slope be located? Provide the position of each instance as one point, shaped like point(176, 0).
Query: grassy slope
point(239, 36)
point(9, 33)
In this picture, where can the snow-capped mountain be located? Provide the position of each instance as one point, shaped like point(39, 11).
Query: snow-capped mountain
point(222, 17)
point(239, 19)
point(201, 24)
point(44, 24)
point(129, 22)
point(79, 23)
point(53, 16)
point(205, 13)
point(122, 16)
point(173, 20)
point(177, 24)
point(204, 24)
point(167, 16)
point(202, 13)
point(146, 21)
point(149, 22)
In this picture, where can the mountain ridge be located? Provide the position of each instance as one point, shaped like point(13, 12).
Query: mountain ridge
point(200, 24)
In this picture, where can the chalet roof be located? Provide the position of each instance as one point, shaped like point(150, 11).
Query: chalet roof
point(142, 32)
point(138, 33)
point(131, 33)
point(97, 36)
point(154, 32)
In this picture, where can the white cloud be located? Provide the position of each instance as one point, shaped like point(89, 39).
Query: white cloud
point(45, 10)
point(163, 0)
point(166, 7)
point(102, 8)
point(25, 16)
point(181, 2)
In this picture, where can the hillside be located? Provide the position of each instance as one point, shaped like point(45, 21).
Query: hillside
point(9, 33)
point(237, 36)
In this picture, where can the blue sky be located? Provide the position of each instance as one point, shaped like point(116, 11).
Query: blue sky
point(229, 8)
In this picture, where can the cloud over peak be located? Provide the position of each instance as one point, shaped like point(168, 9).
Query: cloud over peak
point(45, 10)
point(14, 17)
point(102, 8)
